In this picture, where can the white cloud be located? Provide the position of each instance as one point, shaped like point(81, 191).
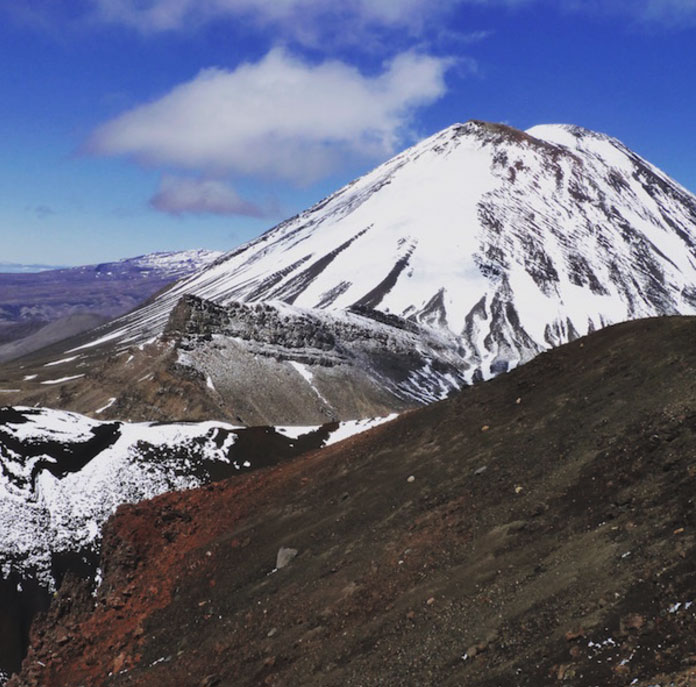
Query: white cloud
point(280, 117)
point(670, 13)
point(321, 22)
point(163, 15)
point(180, 195)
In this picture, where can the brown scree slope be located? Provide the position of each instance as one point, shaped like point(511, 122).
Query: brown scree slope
point(546, 538)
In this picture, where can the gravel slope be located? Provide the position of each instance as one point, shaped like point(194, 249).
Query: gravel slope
point(538, 529)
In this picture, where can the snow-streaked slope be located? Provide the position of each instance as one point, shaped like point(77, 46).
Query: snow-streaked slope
point(161, 264)
point(324, 350)
point(512, 241)
point(63, 474)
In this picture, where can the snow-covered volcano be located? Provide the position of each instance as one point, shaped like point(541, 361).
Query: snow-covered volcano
point(472, 252)
point(513, 241)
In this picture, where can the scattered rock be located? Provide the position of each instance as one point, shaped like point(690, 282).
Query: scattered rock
point(621, 669)
point(211, 681)
point(574, 634)
point(537, 510)
point(477, 649)
point(566, 671)
point(411, 478)
point(285, 556)
point(632, 621)
point(118, 663)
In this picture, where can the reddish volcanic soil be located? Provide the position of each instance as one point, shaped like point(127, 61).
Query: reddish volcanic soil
point(538, 529)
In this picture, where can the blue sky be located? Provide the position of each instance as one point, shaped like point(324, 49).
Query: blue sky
point(130, 126)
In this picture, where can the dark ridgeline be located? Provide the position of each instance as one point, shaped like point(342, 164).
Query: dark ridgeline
point(533, 529)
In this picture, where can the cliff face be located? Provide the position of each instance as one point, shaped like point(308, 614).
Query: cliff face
point(536, 529)
point(62, 475)
point(277, 363)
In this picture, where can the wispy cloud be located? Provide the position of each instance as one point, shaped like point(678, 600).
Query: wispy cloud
point(41, 211)
point(280, 117)
point(317, 21)
point(664, 13)
point(181, 195)
point(321, 24)
point(165, 15)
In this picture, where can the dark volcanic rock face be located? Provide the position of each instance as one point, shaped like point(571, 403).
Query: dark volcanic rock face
point(375, 353)
point(62, 475)
point(535, 530)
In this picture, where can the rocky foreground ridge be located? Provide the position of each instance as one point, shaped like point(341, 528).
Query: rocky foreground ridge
point(62, 475)
point(538, 529)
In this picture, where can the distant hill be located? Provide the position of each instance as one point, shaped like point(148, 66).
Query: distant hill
point(78, 298)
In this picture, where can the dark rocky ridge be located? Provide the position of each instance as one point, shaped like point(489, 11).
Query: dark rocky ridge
point(388, 361)
point(24, 591)
point(195, 319)
point(538, 529)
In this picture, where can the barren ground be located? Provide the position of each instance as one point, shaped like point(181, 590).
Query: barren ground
point(538, 529)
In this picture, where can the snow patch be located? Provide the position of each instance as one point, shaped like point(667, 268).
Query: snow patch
point(353, 427)
point(62, 379)
point(111, 401)
point(62, 360)
point(307, 375)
